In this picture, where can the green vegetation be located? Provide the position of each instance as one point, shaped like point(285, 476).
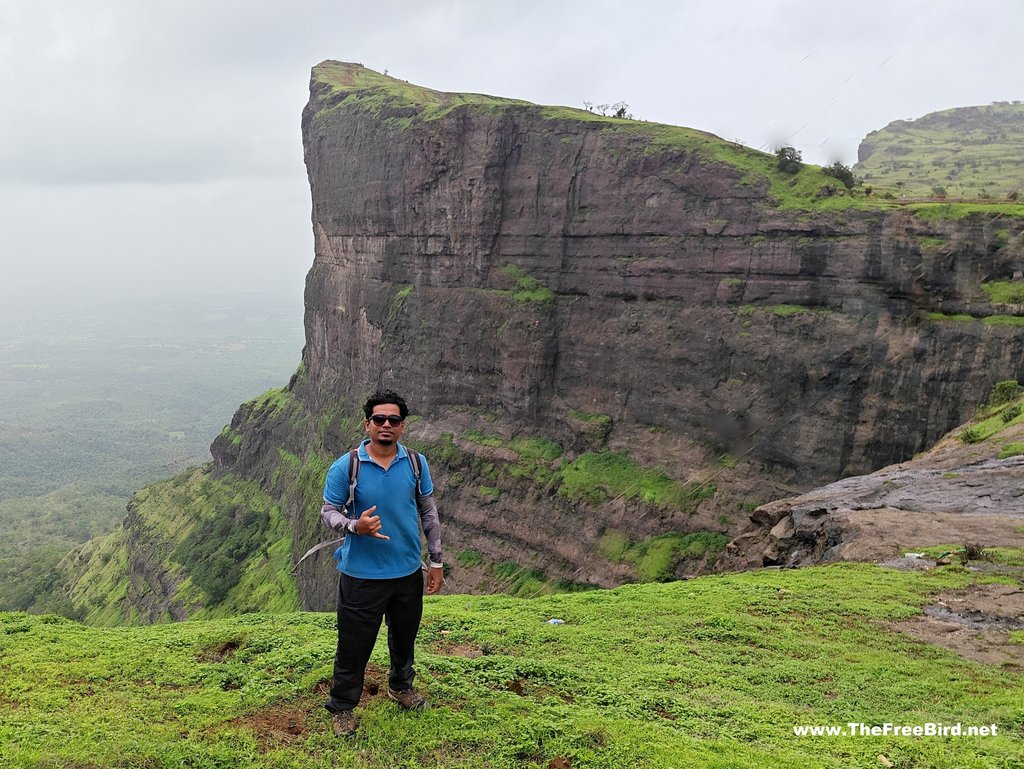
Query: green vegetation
point(397, 102)
point(1004, 291)
point(657, 558)
point(467, 559)
point(527, 288)
point(598, 476)
point(516, 580)
point(1004, 392)
point(789, 160)
point(932, 244)
point(988, 320)
point(1005, 408)
point(528, 448)
point(1007, 556)
point(215, 551)
point(713, 673)
point(1011, 450)
point(968, 152)
point(958, 211)
point(223, 545)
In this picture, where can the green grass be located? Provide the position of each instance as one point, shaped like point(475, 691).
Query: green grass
point(527, 288)
point(968, 152)
point(711, 673)
point(597, 476)
point(1004, 409)
point(932, 244)
point(958, 211)
point(1007, 556)
point(528, 448)
point(988, 320)
point(656, 558)
point(1004, 292)
point(223, 547)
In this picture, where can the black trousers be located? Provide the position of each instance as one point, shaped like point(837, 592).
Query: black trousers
point(361, 605)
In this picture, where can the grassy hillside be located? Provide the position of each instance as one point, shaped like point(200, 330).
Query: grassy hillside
point(968, 152)
point(213, 546)
point(712, 672)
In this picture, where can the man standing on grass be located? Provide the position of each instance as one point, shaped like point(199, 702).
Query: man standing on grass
point(380, 560)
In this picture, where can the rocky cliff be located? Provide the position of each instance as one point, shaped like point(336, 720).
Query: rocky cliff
point(642, 297)
point(618, 337)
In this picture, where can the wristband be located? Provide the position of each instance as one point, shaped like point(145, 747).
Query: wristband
point(436, 565)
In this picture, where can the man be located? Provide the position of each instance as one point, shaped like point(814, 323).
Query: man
point(380, 560)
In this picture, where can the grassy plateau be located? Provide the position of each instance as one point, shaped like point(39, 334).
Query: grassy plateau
point(711, 672)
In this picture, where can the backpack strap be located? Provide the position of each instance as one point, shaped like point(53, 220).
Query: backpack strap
point(353, 476)
point(414, 458)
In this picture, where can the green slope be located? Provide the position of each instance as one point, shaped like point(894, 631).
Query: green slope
point(712, 672)
point(339, 87)
point(212, 546)
point(968, 153)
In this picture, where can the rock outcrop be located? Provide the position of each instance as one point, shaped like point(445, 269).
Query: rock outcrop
point(965, 491)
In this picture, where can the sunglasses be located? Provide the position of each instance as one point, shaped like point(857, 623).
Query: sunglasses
point(392, 419)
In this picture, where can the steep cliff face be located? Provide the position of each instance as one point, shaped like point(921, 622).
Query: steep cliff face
point(612, 330)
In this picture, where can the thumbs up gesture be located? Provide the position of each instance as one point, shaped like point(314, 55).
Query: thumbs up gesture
point(368, 524)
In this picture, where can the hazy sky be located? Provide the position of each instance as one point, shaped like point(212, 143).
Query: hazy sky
point(154, 145)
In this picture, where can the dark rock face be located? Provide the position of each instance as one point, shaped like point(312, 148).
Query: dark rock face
point(531, 264)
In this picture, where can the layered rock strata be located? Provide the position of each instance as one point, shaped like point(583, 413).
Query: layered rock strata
point(531, 272)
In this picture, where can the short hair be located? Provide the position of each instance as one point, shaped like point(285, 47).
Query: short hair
point(385, 396)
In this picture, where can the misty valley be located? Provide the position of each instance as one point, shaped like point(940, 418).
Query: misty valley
point(100, 400)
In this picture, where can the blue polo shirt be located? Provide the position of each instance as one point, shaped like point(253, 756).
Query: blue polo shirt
point(393, 491)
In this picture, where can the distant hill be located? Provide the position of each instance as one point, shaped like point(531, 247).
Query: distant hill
point(967, 152)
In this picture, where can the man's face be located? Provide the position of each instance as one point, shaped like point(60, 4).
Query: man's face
point(384, 434)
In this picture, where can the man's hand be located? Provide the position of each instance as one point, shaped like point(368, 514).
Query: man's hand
point(435, 578)
point(368, 524)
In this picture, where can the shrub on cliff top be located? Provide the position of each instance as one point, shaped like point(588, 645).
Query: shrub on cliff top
point(790, 161)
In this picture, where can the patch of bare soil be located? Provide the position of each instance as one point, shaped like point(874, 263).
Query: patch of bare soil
point(975, 623)
point(459, 650)
point(276, 726)
point(283, 724)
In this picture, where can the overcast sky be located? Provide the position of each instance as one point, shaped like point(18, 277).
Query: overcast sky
point(154, 145)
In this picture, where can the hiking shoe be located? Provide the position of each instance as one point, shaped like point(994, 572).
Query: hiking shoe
point(344, 724)
point(408, 699)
